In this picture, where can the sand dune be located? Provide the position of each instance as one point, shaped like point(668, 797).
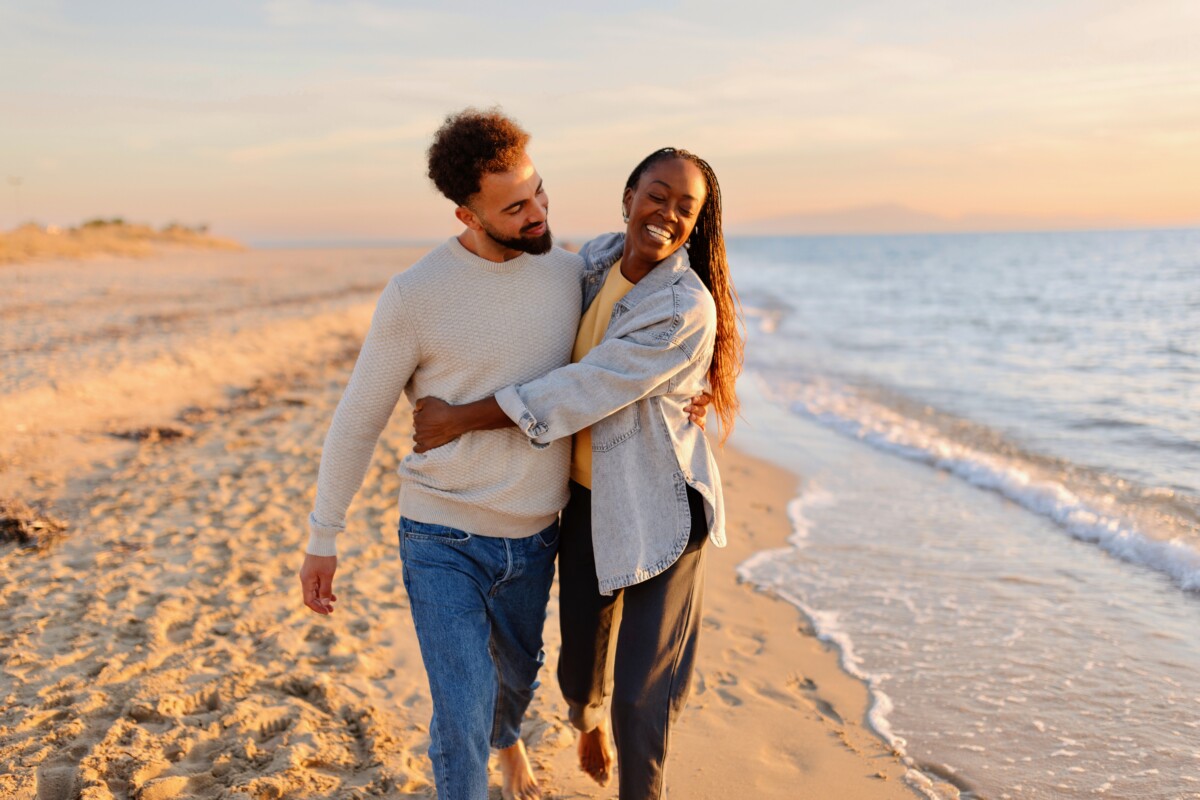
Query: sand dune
point(98, 238)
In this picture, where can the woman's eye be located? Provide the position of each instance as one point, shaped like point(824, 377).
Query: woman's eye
point(656, 198)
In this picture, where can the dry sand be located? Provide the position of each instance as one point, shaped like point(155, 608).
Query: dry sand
point(159, 647)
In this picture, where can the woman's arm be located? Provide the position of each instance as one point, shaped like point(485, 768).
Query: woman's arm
point(658, 342)
point(436, 422)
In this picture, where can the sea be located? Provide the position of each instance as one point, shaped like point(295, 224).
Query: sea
point(996, 439)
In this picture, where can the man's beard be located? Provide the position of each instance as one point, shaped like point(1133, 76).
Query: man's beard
point(537, 246)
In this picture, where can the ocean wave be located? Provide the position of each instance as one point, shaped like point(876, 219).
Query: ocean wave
point(1104, 423)
point(1097, 520)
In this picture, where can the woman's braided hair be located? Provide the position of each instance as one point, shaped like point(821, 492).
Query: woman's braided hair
point(706, 252)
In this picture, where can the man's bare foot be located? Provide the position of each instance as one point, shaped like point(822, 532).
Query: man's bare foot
point(518, 781)
point(595, 754)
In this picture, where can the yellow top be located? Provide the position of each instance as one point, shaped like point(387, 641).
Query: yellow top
point(591, 330)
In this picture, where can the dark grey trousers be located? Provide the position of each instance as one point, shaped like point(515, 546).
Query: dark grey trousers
point(637, 646)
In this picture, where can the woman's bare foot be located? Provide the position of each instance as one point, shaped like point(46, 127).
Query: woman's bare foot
point(518, 781)
point(595, 754)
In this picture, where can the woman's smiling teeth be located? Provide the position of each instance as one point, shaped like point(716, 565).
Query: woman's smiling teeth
point(659, 233)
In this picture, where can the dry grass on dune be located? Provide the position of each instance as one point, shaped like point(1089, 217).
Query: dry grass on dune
point(103, 238)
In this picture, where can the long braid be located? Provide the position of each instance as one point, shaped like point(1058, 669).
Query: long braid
point(706, 252)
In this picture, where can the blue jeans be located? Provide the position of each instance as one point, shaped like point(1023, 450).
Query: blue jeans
point(478, 604)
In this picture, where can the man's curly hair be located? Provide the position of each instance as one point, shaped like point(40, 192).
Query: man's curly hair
point(471, 144)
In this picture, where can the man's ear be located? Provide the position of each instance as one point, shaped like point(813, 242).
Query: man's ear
point(467, 217)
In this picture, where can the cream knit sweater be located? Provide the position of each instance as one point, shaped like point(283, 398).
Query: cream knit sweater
point(458, 327)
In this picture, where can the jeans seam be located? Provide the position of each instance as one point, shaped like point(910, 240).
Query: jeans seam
point(442, 758)
point(679, 647)
point(509, 572)
point(496, 709)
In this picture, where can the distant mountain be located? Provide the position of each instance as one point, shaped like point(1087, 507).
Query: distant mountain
point(896, 218)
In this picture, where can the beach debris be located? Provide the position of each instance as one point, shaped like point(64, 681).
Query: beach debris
point(153, 433)
point(28, 526)
point(259, 395)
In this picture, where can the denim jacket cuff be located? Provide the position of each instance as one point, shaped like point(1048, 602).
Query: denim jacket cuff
point(510, 403)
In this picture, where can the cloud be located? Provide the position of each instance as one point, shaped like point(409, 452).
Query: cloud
point(334, 142)
point(317, 14)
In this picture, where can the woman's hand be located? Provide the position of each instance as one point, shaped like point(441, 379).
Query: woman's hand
point(698, 410)
point(435, 423)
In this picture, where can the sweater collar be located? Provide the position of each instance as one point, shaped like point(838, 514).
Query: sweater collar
point(498, 267)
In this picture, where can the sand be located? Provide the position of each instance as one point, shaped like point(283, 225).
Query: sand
point(157, 647)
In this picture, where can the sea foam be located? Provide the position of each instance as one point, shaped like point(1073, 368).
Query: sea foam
point(1088, 519)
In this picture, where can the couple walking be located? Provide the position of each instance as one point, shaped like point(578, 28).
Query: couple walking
point(546, 382)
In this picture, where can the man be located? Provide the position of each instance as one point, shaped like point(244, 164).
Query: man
point(494, 306)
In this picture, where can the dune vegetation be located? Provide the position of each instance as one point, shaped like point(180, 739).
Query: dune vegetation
point(104, 237)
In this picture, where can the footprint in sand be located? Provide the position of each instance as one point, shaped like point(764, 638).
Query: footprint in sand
point(725, 686)
point(750, 641)
point(56, 782)
point(806, 689)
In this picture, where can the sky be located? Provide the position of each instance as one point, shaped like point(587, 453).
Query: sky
point(308, 120)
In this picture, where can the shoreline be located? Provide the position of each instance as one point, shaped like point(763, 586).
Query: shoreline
point(778, 674)
point(156, 650)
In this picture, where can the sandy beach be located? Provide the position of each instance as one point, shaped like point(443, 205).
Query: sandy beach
point(169, 414)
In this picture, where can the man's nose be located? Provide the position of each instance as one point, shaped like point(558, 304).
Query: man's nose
point(539, 210)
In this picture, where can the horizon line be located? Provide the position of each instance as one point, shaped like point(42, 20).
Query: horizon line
point(364, 242)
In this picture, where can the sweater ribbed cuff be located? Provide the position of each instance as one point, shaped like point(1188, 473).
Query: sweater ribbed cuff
point(322, 538)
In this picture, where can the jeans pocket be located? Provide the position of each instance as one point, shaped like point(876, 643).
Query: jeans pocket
point(549, 536)
point(412, 530)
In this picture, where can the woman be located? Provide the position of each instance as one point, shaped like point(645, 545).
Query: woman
point(660, 324)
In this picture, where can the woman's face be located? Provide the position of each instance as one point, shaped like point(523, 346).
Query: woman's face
point(663, 207)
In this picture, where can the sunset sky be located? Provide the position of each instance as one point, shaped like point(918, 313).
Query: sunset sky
point(308, 120)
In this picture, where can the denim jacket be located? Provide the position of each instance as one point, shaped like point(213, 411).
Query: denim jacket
point(631, 389)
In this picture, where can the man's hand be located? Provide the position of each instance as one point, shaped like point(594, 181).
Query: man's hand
point(698, 410)
point(435, 423)
point(316, 580)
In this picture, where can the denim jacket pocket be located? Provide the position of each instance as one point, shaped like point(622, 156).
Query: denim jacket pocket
point(616, 428)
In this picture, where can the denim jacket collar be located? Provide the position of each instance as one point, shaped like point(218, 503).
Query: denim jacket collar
point(645, 452)
point(602, 252)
